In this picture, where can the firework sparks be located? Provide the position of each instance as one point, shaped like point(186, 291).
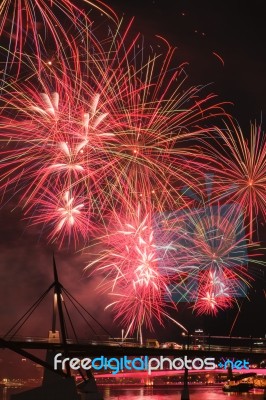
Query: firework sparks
point(130, 264)
point(242, 167)
point(105, 134)
point(114, 133)
point(27, 25)
point(66, 214)
point(216, 292)
point(212, 252)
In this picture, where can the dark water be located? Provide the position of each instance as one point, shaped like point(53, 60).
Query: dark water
point(198, 393)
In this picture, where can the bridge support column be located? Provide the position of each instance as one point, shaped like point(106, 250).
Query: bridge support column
point(88, 390)
point(185, 391)
point(54, 386)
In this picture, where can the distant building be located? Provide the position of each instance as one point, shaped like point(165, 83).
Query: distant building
point(198, 338)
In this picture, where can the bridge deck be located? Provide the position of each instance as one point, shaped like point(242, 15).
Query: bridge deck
point(111, 349)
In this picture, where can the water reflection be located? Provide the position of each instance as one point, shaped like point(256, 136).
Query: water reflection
point(4, 397)
point(199, 393)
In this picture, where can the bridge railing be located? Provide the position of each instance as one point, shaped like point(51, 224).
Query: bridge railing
point(253, 344)
point(207, 343)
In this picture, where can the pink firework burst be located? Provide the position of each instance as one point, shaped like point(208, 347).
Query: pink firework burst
point(53, 141)
point(216, 292)
point(65, 212)
point(132, 277)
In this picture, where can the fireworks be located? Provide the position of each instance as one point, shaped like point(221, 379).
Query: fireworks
point(98, 143)
point(211, 253)
point(52, 148)
point(130, 263)
point(66, 214)
point(215, 293)
point(110, 132)
point(27, 25)
point(242, 164)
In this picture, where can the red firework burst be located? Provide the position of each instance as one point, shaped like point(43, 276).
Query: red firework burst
point(216, 292)
point(66, 213)
point(132, 276)
point(242, 170)
point(112, 132)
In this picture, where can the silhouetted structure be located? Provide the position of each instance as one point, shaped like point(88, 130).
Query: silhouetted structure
point(57, 385)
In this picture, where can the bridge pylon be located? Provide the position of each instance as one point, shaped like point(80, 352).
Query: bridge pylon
point(185, 391)
point(57, 385)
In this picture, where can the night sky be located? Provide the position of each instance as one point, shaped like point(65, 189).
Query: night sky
point(198, 29)
point(235, 32)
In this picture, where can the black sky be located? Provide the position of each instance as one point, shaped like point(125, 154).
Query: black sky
point(234, 30)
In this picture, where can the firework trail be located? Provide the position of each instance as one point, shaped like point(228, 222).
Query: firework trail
point(27, 25)
point(242, 166)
